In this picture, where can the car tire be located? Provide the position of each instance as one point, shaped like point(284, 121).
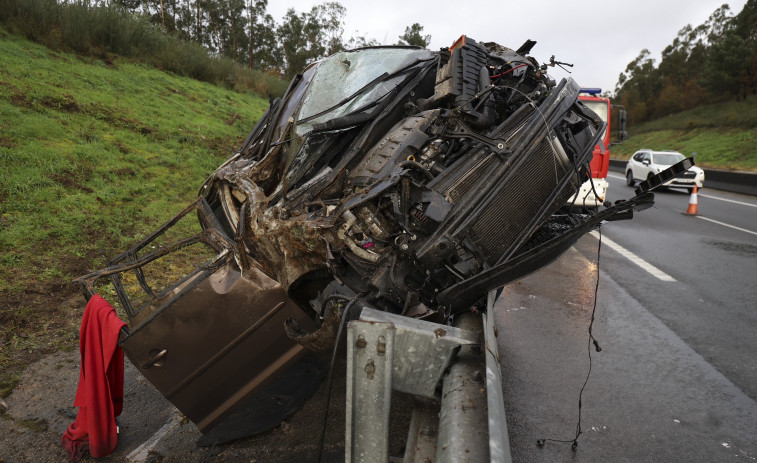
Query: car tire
point(629, 178)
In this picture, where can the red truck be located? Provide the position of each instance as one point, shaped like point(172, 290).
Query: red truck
point(600, 161)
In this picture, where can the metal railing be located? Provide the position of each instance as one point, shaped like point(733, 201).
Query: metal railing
point(453, 371)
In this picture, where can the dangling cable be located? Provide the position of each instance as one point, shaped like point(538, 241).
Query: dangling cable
point(592, 340)
point(345, 317)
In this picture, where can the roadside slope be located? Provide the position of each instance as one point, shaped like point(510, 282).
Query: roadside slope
point(722, 135)
point(94, 155)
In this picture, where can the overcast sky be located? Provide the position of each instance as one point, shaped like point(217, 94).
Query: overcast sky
point(599, 38)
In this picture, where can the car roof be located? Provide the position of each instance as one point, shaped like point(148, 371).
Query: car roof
point(658, 151)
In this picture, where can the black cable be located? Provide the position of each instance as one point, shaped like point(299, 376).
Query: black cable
point(328, 299)
point(592, 340)
point(345, 317)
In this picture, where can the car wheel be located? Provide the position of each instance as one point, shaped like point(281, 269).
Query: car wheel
point(629, 178)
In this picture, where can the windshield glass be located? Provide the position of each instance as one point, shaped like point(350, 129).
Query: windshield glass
point(599, 107)
point(353, 74)
point(667, 159)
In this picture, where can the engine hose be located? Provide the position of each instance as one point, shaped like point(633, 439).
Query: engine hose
point(349, 221)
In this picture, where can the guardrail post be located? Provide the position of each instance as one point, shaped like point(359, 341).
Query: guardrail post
point(369, 391)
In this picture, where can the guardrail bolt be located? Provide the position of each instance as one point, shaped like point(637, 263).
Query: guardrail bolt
point(477, 377)
point(370, 369)
point(428, 431)
point(381, 347)
point(361, 342)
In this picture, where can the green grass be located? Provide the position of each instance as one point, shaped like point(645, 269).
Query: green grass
point(722, 135)
point(100, 29)
point(94, 155)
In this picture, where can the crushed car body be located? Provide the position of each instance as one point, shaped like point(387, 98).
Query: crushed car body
point(395, 178)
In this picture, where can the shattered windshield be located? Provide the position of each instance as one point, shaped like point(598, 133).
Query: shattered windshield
point(668, 159)
point(350, 80)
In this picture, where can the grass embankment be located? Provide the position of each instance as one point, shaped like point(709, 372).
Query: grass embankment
point(94, 155)
point(722, 135)
point(99, 29)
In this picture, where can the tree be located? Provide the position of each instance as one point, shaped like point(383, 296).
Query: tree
point(712, 62)
point(412, 36)
point(330, 18)
point(263, 51)
point(291, 34)
point(227, 22)
point(360, 42)
point(306, 37)
point(639, 85)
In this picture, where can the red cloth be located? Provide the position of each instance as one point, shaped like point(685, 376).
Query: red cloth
point(100, 393)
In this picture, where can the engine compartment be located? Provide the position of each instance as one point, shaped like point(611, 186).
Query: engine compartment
point(438, 167)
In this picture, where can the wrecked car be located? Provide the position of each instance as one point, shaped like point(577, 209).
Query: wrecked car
point(395, 178)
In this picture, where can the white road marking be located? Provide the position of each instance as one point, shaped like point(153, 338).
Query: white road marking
point(654, 271)
point(726, 225)
point(704, 195)
point(141, 453)
point(742, 203)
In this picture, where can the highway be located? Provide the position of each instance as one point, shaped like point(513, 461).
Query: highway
point(676, 319)
point(712, 304)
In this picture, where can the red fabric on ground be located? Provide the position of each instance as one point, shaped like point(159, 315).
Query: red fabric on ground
point(100, 393)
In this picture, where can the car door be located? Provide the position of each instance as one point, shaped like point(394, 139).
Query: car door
point(646, 166)
point(637, 166)
point(213, 340)
point(216, 340)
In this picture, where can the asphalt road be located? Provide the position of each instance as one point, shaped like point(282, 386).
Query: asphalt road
point(676, 378)
point(712, 304)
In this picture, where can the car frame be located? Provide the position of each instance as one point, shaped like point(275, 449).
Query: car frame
point(646, 162)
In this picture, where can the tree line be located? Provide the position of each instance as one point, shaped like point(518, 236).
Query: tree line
point(245, 32)
point(713, 62)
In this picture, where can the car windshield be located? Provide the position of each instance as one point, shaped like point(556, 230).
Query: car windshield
point(667, 159)
point(350, 80)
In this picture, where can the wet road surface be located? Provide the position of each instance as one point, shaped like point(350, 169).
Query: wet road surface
point(712, 304)
point(650, 395)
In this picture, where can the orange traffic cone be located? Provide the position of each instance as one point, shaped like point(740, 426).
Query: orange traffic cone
point(692, 210)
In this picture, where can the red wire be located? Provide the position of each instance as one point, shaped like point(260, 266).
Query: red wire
point(511, 70)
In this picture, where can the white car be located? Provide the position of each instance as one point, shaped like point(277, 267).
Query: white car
point(645, 163)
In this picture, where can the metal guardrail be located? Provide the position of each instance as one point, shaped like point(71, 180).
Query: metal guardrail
point(737, 182)
point(464, 422)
